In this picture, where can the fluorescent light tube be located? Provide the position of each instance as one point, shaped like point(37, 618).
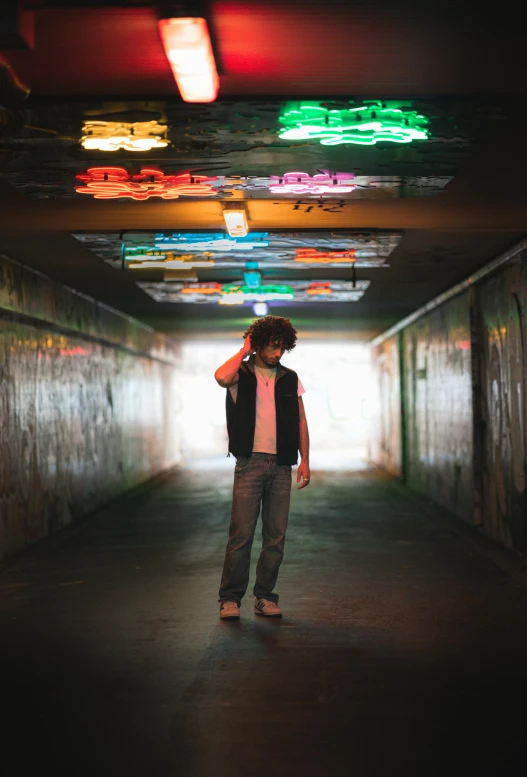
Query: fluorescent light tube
point(236, 222)
point(189, 51)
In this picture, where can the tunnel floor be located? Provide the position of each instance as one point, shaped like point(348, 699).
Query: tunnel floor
point(402, 649)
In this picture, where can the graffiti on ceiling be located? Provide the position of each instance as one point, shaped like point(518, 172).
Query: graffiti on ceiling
point(259, 250)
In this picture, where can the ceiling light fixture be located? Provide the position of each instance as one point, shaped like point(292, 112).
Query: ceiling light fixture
point(189, 51)
point(302, 292)
point(364, 125)
point(170, 264)
point(115, 135)
point(236, 220)
point(202, 288)
point(207, 241)
point(319, 287)
point(110, 183)
point(233, 294)
point(252, 279)
point(314, 256)
point(324, 182)
point(260, 309)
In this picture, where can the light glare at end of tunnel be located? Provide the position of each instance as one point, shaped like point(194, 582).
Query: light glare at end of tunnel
point(340, 400)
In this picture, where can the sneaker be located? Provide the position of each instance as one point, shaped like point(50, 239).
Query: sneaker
point(229, 610)
point(266, 607)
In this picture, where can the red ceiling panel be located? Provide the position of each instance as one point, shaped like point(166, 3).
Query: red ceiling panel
point(298, 50)
point(279, 48)
point(96, 51)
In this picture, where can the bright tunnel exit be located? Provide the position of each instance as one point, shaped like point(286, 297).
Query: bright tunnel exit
point(340, 401)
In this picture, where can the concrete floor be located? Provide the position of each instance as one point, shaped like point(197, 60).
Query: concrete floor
point(403, 649)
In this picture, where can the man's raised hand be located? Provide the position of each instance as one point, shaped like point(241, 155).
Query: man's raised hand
point(247, 347)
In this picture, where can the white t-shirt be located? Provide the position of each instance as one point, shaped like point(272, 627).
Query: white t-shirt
point(265, 430)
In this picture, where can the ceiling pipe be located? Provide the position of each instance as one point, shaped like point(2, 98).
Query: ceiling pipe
point(508, 257)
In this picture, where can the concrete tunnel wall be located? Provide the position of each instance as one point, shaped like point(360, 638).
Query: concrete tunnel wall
point(386, 442)
point(438, 406)
point(501, 337)
point(453, 405)
point(88, 405)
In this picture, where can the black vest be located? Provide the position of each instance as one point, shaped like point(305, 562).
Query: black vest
point(241, 415)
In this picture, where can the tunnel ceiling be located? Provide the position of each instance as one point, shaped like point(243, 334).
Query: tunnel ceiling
point(385, 226)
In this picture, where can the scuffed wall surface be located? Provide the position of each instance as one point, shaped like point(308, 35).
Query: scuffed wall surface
point(438, 407)
point(386, 437)
point(27, 293)
point(81, 420)
point(503, 307)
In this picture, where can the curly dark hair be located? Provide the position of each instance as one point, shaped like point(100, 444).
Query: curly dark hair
point(272, 329)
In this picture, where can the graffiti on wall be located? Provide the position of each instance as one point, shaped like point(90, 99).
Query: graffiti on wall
point(438, 406)
point(503, 306)
point(80, 421)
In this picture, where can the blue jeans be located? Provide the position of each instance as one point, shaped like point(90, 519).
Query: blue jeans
point(258, 480)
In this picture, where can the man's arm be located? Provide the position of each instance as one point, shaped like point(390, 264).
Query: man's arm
point(303, 468)
point(226, 374)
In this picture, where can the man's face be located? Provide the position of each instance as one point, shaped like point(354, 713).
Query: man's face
point(272, 353)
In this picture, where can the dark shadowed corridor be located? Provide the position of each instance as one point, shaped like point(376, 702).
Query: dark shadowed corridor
point(402, 649)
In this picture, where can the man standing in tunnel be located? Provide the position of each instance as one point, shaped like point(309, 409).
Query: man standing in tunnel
point(267, 426)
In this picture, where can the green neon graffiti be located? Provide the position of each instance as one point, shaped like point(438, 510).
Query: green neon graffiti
point(365, 125)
